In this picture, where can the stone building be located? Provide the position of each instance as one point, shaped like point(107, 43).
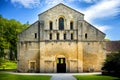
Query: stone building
point(61, 41)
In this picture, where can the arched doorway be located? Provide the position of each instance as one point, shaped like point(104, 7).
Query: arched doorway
point(61, 65)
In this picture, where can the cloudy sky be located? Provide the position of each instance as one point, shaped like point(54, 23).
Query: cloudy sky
point(103, 14)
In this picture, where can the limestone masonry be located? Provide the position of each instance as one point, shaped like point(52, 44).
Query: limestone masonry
point(61, 41)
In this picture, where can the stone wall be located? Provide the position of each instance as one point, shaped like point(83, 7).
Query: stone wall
point(29, 33)
point(93, 56)
point(28, 52)
point(80, 56)
point(50, 51)
point(53, 15)
point(87, 32)
point(83, 52)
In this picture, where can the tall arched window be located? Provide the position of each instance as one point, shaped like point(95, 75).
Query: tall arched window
point(51, 25)
point(61, 24)
point(71, 25)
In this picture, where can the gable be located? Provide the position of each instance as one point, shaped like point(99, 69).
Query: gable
point(61, 10)
point(64, 6)
point(86, 31)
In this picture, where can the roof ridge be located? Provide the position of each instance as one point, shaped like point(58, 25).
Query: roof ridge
point(58, 5)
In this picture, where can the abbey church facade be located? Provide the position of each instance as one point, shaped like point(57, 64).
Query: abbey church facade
point(61, 41)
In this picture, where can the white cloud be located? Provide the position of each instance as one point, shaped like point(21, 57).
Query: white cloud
point(89, 1)
point(102, 9)
point(27, 3)
point(69, 1)
point(102, 28)
point(53, 2)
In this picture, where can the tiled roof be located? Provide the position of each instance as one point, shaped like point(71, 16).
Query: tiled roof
point(113, 46)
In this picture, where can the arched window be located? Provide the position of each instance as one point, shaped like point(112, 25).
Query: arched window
point(85, 35)
point(64, 36)
point(61, 24)
point(71, 36)
point(50, 36)
point(71, 25)
point(57, 36)
point(51, 25)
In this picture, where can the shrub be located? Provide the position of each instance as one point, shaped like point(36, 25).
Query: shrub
point(112, 64)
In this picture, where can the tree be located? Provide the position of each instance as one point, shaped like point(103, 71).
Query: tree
point(9, 30)
point(107, 39)
point(112, 63)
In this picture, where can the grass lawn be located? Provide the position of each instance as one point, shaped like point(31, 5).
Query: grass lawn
point(8, 65)
point(95, 77)
point(7, 76)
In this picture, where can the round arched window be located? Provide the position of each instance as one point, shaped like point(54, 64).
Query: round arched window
point(61, 24)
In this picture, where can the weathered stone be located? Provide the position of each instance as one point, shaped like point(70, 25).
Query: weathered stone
point(37, 53)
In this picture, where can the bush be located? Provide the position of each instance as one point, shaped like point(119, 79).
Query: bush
point(112, 64)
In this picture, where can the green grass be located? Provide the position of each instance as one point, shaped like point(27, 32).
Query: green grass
point(8, 65)
point(95, 77)
point(7, 76)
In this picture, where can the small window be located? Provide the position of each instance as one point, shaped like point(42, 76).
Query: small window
point(51, 25)
point(61, 61)
point(71, 25)
point(57, 36)
point(65, 36)
point(50, 36)
point(35, 35)
point(72, 36)
point(85, 35)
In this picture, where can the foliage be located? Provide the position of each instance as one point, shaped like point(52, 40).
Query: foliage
point(95, 77)
point(112, 63)
point(8, 36)
point(7, 76)
point(107, 39)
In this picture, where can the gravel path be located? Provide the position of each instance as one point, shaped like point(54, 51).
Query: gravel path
point(62, 77)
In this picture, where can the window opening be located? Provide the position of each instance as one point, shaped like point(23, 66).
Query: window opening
point(61, 24)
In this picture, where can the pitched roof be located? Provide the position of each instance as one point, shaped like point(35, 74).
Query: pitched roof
point(113, 46)
point(62, 5)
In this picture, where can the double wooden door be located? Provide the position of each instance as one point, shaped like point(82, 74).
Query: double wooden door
point(61, 65)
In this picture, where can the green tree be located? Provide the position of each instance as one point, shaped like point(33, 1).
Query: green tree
point(112, 63)
point(107, 39)
point(9, 30)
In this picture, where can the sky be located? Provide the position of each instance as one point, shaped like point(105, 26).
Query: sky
point(103, 14)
